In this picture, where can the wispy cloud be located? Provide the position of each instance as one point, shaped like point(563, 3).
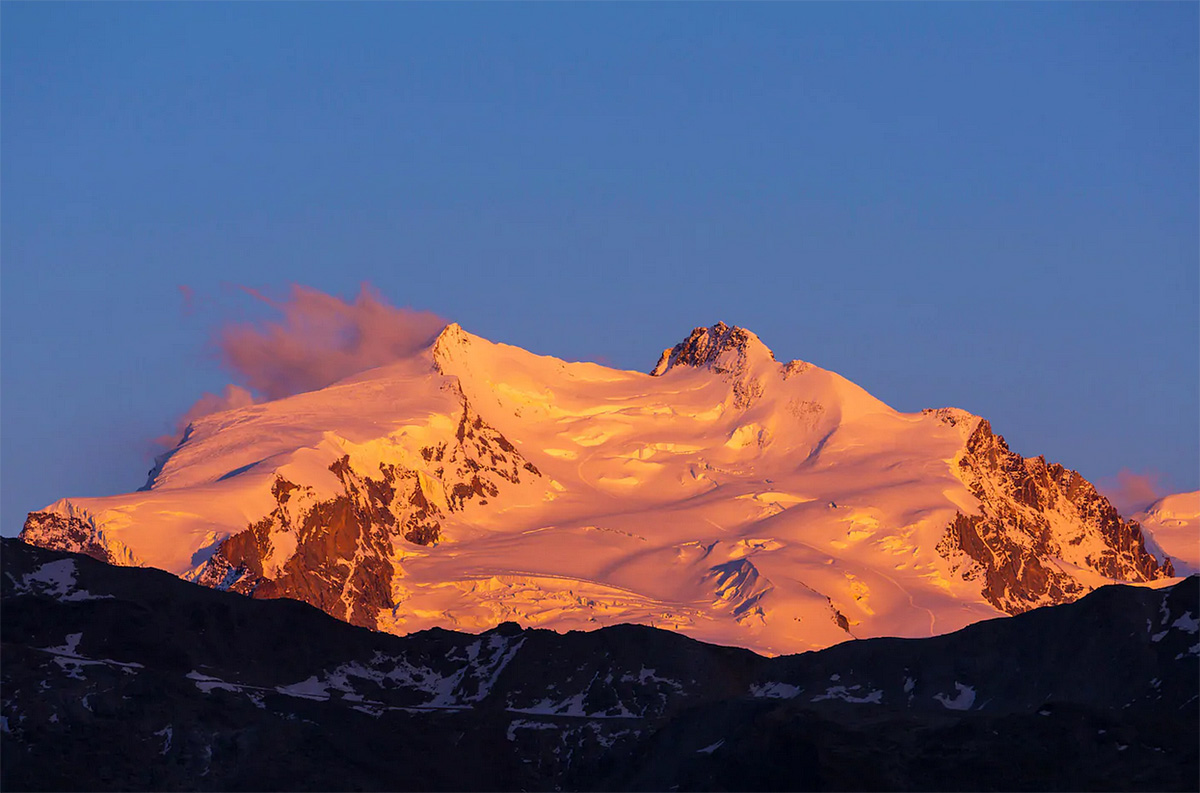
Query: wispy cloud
point(317, 340)
point(1132, 492)
point(320, 340)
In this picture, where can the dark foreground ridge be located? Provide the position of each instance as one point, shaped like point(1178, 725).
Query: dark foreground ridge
point(131, 679)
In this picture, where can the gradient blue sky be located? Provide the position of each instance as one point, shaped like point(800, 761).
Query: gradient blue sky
point(993, 206)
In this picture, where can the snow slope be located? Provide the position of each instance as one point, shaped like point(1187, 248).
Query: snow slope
point(1174, 523)
point(728, 496)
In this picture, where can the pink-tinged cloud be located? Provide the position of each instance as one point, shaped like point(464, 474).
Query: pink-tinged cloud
point(1132, 492)
point(320, 340)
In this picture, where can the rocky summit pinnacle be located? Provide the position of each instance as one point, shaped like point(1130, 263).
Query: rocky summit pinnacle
point(719, 347)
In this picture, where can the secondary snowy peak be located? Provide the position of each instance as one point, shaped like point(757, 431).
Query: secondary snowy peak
point(726, 496)
point(1174, 522)
point(721, 348)
point(1177, 506)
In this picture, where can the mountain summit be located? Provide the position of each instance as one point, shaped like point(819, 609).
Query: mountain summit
point(720, 348)
point(728, 496)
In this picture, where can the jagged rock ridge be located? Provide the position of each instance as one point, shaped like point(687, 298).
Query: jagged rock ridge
point(1032, 514)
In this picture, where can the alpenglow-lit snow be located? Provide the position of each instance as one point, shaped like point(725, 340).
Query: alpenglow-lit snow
point(1174, 522)
point(733, 498)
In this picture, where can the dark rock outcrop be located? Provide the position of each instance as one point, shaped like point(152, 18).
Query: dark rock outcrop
point(65, 533)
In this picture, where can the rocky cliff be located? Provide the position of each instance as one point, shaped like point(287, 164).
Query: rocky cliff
point(1037, 524)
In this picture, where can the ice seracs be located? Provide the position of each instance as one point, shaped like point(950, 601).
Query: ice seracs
point(725, 495)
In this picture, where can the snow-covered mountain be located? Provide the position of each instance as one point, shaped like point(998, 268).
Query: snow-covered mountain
point(726, 495)
point(1174, 523)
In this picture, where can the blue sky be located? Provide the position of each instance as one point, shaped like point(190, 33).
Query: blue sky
point(992, 206)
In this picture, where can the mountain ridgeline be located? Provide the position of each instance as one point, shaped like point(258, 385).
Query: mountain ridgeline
point(130, 679)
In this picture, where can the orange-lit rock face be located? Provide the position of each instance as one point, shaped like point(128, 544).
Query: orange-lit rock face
point(339, 550)
point(740, 500)
point(1033, 514)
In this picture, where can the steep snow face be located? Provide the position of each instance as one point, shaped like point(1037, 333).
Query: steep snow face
point(1174, 524)
point(726, 495)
